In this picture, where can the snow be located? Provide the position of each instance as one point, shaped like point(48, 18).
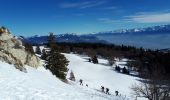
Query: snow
point(40, 84)
point(97, 75)
point(121, 63)
point(41, 48)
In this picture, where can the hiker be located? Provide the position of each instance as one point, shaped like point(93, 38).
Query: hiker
point(117, 93)
point(102, 87)
point(89, 60)
point(87, 85)
point(81, 82)
point(107, 90)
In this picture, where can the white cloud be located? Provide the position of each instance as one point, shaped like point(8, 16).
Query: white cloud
point(107, 20)
point(81, 5)
point(141, 17)
point(149, 18)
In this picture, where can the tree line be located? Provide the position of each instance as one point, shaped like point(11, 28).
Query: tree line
point(147, 61)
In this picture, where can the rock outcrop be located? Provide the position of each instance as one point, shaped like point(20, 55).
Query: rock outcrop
point(13, 52)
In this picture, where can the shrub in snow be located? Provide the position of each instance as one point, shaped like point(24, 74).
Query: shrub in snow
point(151, 91)
point(44, 54)
point(95, 60)
point(29, 48)
point(111, 61)
point(125, 71)
point(38, 50)
point(117, 68)
point(72, 77)
point(89, 60)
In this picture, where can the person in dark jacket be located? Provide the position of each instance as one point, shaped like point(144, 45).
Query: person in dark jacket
point(117, 93)
point(81, 82)
point(86, 85)
point(107, 90)
point(102, 88)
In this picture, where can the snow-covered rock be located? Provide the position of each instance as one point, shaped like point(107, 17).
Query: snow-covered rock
point(13, 52)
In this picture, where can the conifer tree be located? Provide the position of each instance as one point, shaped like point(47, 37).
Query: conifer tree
point(56, 62)
point(72, 77)
point(95, 60)
point(51, 40)
point(44, 55)
point(38, 50)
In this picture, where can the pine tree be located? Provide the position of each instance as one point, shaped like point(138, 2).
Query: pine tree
point(56, 62)
point(95, 60)
point(51, 40)
point(38, 50)
point(72, 77)
point(44, 55)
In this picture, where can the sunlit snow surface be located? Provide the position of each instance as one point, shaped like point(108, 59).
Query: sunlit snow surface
point(40, 84)
point(97, 75)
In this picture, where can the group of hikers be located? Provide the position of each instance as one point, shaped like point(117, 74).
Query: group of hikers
point(81, 82)
point(107, 90)
point(102, 88)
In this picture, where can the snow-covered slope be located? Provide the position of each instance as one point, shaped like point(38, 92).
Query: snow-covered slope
point(97, 75)
point(40, 84)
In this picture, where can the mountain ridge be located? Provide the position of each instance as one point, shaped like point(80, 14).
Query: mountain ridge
point(148, 37)
point(165, 29)
point(71, 38)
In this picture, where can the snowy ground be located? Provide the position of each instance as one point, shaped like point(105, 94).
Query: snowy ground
point(40, 84)
point(97, 75)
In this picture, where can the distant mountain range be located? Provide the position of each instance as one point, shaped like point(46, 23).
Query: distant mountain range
point(156, 37)
point(162, 29)
point(72, 38)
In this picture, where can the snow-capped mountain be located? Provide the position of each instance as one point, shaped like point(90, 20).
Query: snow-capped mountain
point(141, 37)
point(72, 38)
point(156, 37)
point(162, 29)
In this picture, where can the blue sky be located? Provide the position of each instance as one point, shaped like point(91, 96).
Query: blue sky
point(39, 17)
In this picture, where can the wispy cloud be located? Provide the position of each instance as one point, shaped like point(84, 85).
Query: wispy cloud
point(110, 8)
point(149, 18)
point(140, 17)
point(82, 5)
point(107, 20)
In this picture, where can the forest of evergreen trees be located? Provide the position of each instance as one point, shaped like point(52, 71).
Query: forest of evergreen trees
point(147, 61)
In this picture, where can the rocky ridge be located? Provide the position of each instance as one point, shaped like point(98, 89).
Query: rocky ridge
point(12, 51)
